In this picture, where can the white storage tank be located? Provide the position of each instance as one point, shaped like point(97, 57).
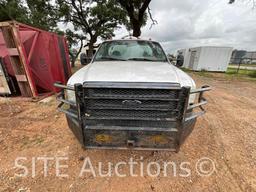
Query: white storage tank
point(208, 58)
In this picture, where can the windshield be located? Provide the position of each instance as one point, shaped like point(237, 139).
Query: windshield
point(130, 50)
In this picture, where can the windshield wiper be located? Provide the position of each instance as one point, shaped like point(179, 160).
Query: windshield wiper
point(111, 58)
point(141, 59)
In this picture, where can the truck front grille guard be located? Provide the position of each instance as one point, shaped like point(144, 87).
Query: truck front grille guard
point(201, 102)
point(135, 113)
point(74, 110)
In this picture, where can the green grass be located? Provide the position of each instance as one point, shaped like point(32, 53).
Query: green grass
point(245, 65)
point(230, 74)
point(242, 72)
point(202, 73)
point(252, 74)
point(249, 65)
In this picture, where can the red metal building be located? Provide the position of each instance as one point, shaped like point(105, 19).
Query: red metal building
point(34, 58)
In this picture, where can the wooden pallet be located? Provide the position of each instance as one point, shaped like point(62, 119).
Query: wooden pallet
point(18, 59)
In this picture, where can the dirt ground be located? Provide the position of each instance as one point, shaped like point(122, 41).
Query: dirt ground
point(226, 135)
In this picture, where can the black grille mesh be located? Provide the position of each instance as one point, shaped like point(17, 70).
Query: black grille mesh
point(131, 123)
point(130, 107)
point(130, 93)
point(133, 114)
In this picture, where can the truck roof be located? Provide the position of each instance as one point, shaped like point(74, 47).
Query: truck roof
point(131, 38)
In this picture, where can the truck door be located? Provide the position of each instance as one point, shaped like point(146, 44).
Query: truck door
point(192, 59)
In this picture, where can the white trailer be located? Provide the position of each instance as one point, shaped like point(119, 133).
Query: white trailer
point(186, 55)
point(208, 58)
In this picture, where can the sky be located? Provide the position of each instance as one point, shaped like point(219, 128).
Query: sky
point(192, 23)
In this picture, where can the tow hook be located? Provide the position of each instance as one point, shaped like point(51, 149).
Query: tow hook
point(130, 143)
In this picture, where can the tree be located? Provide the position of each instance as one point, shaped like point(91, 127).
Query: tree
point(136, 11)
point(74, 40)
point(13, 9)
point(94, 19)
point(253, 2)
point(43, 14)
point(37, 13)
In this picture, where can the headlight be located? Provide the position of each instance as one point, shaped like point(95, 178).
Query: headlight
point(71, 95)
point(192, 98)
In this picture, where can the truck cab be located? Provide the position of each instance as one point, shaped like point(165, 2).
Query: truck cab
point(131, 97)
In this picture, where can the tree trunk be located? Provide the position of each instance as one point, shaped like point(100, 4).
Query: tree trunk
point(91, 46)
point(136, 28)
point(72, 59)
point(90, 51)
point(73, 62)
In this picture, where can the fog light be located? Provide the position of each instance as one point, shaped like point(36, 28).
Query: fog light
point(103, 138)
point(159, 139)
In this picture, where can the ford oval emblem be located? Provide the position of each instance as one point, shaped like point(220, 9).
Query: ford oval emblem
point(131, 102)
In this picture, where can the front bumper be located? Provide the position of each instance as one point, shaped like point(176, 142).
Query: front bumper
point(151, 134)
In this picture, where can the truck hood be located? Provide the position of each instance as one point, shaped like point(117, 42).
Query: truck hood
point(132, 71)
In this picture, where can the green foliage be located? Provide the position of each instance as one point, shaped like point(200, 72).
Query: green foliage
point(105, 17)
point(43, 14)
point(13, 9)
point(90, 19)
point(137, 4)
point(93, 18)
point(74, 39)
point(98, 17)
point(37, 13)
point(136, 14)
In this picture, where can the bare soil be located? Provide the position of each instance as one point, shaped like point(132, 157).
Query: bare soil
point(226, 134)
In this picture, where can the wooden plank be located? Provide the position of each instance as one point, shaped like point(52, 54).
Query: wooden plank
point(32, 47)
point(2, 90)
point(23, 61)
point(4, 87)
point(13, 52)
point(4, 24)
point(21, 78)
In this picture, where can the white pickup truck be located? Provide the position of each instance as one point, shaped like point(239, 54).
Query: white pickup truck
point(131, 97)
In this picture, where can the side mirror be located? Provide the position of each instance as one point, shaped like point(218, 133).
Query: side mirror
point(180, 61)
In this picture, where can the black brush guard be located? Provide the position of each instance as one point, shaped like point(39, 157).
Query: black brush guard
point(141, 116)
